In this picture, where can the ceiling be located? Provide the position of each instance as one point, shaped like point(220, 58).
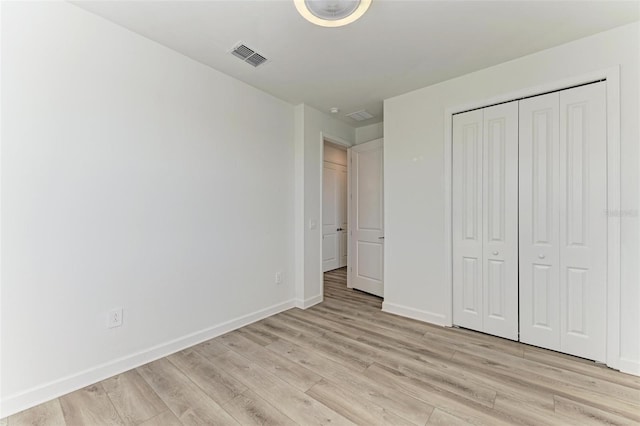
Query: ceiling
point(396, 47)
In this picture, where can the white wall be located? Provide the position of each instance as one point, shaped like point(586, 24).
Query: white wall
point(414, 172)
point(132, 177)
point(311, 126)
point(369, 133)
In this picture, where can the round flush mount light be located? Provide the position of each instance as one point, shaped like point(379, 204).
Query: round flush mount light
point(332, 13)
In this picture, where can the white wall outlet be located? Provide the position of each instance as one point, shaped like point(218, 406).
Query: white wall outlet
point(278, 277)
point(115, 318)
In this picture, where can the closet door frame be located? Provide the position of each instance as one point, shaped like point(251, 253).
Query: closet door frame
point(612, 77)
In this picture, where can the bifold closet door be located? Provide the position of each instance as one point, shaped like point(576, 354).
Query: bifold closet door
point(539, 221)
point(485, 220)
point(500, 220)
point(467, 219)
point(563, 234)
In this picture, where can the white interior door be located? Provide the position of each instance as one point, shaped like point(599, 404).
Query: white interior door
point(500, 220)
point(333, 214)
point(343, 217)
point(467, 220)
point(539, 130)
point(563, 234)
point(367, 221)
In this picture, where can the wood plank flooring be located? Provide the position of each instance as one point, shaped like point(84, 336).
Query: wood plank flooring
point(345, 362)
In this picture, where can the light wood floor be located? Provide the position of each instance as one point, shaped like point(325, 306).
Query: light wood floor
point(345, 362)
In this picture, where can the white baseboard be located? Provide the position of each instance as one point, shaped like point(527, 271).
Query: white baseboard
point(629, 366)
point(21, 401)
point(417, 314)
point(307, 303)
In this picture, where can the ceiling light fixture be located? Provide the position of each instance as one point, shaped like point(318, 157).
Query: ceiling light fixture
point(332, 13)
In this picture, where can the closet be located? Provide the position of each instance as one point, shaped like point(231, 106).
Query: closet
point(529, 225)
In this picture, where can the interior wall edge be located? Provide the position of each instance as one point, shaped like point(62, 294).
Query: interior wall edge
point(316, 126)
point(299, 214)
point(309, 302)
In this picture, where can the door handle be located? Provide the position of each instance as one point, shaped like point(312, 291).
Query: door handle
point(381, 238)
point(339, 229)
point(541, 256)
point(495, 253)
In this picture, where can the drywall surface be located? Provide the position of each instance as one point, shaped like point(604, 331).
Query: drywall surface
point(311, 126)
point(299, 213)
point(369, 133)
point(414, 171)
point(132, 177)
point(335, 155)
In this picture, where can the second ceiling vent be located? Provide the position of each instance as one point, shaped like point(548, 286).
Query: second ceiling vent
point(360, 115)
point(248, 55)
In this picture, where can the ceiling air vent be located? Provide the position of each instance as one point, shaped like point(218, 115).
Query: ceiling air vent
point(360, 115)
point(248, 55)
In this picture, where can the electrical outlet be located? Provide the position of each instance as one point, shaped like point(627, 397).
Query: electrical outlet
point(278, 277)
point(115, 318)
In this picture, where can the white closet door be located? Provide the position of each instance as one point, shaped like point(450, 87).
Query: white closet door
point(467, 220)
point(539, 221)
point(500, 220)
point(583, 223)
point(563, 234)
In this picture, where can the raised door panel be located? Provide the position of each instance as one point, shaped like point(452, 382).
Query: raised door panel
point(467, 220)
point(583, 227)
point(329, 253)
point(539, 221)
point(344, 246)
point(471, 286)
point(369, 197)
point(500, 220)
point(540, 298)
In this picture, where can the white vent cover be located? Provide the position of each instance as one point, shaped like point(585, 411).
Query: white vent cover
point(360, 115)
point(248, 55)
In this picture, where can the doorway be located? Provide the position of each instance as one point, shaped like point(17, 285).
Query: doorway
point(352, 207)
point(334, 207)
